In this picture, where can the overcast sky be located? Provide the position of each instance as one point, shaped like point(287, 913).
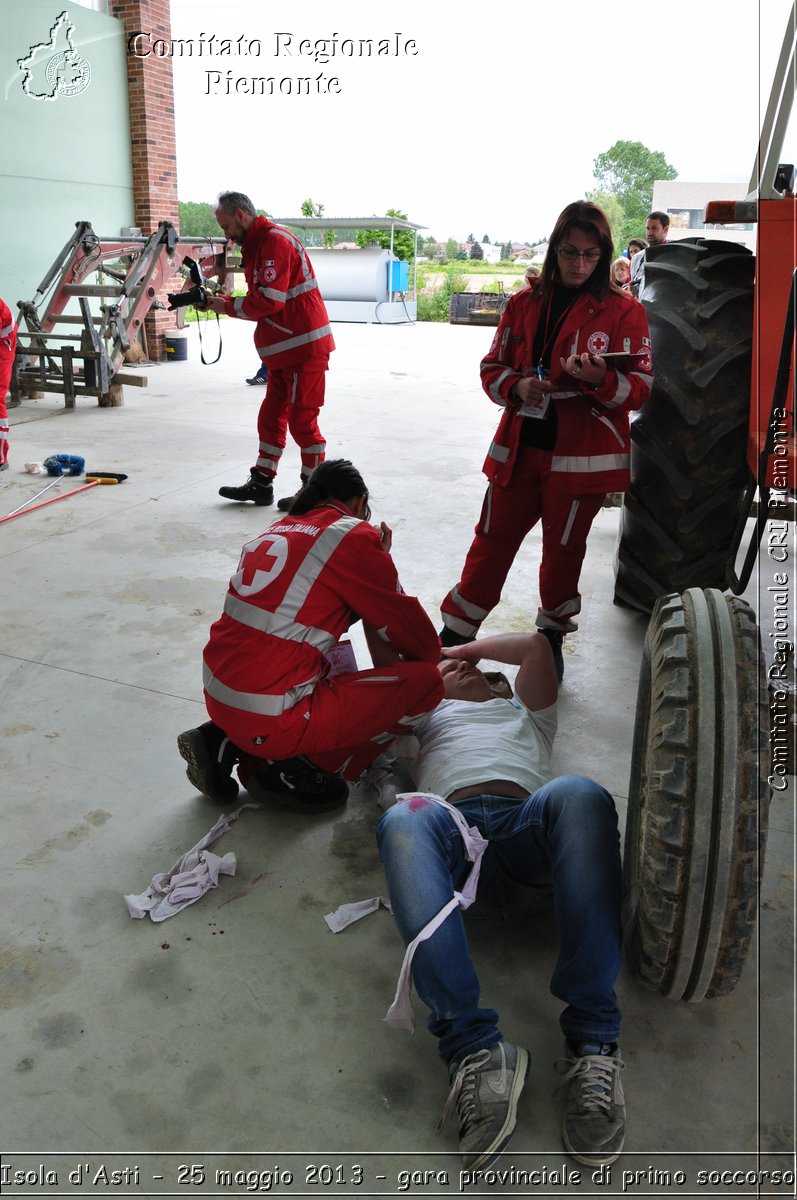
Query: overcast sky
point(492, 126)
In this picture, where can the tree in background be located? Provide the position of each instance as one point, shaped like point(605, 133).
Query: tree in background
point(506, 252)
point(197, 219)
point(327, 237)
point(476, 251)
point(628, 171)
point(452, 248)
point(486, 240)
point(615, 216)
point(403, 239)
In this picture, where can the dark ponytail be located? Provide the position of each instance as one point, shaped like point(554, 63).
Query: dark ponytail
point(335, 479)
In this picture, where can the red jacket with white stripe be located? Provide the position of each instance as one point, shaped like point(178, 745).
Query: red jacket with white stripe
point(592, 451)
point(8, 341)
point(298, 587)
point(282, 295)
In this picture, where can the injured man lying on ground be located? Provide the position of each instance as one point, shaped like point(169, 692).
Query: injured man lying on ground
point(486, 803)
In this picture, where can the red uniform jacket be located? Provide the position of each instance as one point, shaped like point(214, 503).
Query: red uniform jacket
point(8, 341)
point(592, 442)
point(298, 587)
point(293, 326)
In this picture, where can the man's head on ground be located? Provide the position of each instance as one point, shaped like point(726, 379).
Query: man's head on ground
point(335, 479)
point(235, 212)
point(462, 680)
point(657, 227)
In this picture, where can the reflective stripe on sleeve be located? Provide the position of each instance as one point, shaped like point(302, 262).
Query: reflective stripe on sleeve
point(498, 452)
point(309, 285)
point(283, 297)
point(495, 386)
point(273, 294)
point(624, 387)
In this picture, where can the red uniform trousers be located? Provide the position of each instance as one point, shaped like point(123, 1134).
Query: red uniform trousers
point(293, 398)
point(345, 722)
point(508, 514)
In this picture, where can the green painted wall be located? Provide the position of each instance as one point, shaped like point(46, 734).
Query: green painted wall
point(63, 159)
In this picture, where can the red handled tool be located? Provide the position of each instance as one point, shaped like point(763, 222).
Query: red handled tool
point(93, 479)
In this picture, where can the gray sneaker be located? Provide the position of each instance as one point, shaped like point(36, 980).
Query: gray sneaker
point(485, 1089)
point(593, 1128)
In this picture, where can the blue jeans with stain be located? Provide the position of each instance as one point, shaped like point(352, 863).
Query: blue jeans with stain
point(563, 838)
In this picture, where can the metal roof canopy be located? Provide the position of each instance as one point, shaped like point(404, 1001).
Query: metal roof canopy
point(362, 223)
point(347, 223)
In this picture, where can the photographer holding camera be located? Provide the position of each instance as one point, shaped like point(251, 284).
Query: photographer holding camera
point(293, 338)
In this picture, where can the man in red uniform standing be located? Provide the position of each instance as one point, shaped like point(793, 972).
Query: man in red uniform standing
point(293, 338)
point(8, 344)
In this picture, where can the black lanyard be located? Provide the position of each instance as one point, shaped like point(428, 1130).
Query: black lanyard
point(548, 340)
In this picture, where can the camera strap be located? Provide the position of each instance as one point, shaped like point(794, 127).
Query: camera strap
point(199, 324)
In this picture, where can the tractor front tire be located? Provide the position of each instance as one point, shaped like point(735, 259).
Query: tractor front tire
point(698, 797)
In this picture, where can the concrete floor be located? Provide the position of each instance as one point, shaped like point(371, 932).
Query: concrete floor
point(242, 1025)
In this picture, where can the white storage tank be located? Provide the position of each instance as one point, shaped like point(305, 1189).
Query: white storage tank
point(352, 274)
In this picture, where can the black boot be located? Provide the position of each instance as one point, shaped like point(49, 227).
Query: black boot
point(555, 638)
point(257, 488)
point(297, 784)
point(449, 638)
point(285, 502)
point(211, 757)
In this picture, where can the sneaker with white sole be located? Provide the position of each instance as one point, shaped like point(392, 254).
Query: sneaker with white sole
point(485, 1089)
point(593, 1127)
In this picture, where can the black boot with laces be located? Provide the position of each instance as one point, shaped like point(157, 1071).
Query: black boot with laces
point(257, 488)
point(211, 757)
point(298, 784)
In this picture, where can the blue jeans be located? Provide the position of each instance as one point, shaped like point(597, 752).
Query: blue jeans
point(564, 837)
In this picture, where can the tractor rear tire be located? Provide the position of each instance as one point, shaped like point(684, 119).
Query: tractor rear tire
point(689, 473)
point(698, 797)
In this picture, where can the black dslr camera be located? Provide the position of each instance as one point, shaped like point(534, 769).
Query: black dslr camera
point(197, 295)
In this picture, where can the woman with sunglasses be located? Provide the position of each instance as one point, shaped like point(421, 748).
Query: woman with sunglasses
point(569, 361)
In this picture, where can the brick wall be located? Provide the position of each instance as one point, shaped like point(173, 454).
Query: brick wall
point(152, 138)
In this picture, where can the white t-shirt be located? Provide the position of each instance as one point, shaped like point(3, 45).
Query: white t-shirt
point(465, 743)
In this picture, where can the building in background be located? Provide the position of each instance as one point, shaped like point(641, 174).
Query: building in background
point(88, 132)
point(685, 202)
